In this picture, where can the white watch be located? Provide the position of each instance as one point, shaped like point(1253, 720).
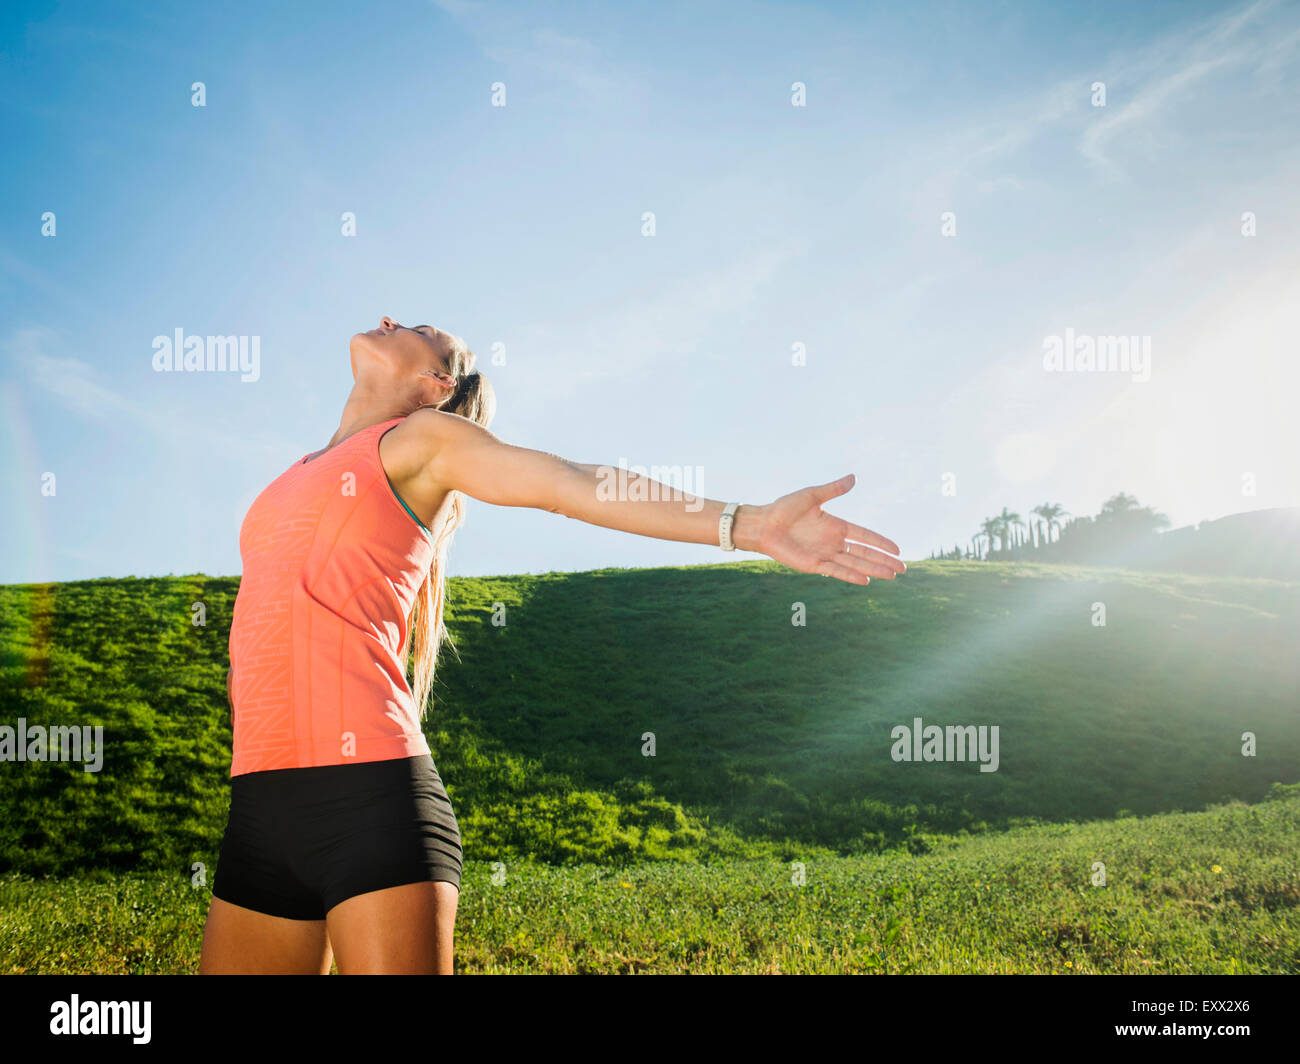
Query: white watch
point(725, 522)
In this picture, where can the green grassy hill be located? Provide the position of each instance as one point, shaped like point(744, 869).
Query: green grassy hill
point(772, 740)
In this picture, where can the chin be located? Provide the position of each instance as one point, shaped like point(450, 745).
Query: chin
point(359, 352)
point(362, 346)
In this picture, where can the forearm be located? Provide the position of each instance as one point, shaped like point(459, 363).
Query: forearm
point(466, 457)
point(456, 455)
point(619, 498)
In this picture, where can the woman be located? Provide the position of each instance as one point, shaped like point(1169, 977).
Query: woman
point(341, 840)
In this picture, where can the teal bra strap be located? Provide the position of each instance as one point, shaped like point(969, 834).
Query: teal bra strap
point(391, 423)
point(412, 513)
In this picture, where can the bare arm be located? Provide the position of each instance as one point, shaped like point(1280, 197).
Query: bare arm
point(792, 530)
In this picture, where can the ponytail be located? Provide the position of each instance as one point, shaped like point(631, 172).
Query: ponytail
point(474, 400)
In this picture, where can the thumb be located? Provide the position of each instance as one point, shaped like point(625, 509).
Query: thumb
point(825, 492)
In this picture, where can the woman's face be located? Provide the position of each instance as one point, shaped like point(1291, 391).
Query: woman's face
point(410, 357)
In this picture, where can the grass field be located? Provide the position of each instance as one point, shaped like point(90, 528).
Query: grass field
point(1211, 892)
point(772, 746)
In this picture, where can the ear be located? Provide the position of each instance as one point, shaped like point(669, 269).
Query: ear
point(435, 390)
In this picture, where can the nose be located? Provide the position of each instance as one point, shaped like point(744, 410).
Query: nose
point(387, 323)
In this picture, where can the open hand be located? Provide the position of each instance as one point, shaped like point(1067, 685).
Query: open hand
point(796, 532)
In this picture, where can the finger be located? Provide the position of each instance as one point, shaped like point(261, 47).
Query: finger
point(894, 565)
point(842, 572)
point(867, 565)
point(865, 535)
point(825, 492)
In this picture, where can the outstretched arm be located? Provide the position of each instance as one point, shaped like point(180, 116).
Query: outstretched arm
point(793, 530)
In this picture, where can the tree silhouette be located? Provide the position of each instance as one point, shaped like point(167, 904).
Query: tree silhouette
point(1119, 504)
point(1008, 522)
point(1052, 512)
point(989, 530)
point(1124, 519)
point(1121, 528)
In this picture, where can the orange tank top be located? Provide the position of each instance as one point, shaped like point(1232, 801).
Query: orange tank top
point(333, 561)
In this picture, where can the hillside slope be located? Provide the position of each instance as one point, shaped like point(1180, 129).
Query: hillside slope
point(770, 738)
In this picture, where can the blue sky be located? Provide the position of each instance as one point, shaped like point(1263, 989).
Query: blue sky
point(775, 225)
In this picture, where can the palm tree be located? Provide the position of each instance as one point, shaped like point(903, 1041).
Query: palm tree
point(1051, 512)
point(1009, 522)
point(989, 530)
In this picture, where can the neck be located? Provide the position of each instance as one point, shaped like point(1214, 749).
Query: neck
point(364, 408)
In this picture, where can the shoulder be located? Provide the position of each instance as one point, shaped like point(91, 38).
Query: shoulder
point(409, 447)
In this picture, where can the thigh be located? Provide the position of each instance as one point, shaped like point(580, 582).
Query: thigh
point(239, 941)
point(405, 930)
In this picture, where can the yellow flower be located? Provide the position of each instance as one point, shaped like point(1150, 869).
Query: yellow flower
point(1069, 964)
point(1216, 870)
point(627, 884)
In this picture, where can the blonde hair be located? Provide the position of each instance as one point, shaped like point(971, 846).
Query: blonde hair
point(474, 400)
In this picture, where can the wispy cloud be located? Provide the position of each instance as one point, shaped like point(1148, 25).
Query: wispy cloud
point(1173, 68)
point(543, 54)
point(1145, 85)
point(33, 352)
point(613, 343)
point(22, 275)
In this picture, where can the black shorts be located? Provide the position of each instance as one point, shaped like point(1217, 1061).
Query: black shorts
point(301, 840)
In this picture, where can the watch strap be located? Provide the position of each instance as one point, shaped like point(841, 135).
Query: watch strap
point(725, 522)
